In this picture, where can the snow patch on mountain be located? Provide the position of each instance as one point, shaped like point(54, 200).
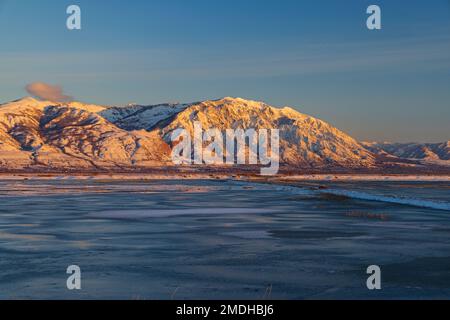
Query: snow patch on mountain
point(137, 117)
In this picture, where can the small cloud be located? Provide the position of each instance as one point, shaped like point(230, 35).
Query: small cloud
point(46, 91)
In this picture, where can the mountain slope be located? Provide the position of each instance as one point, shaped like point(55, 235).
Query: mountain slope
point(74, 135)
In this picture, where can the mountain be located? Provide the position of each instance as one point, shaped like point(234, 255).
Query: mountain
point(72, 135)
point(304, 140)
point(438, 153)
point(43, 135)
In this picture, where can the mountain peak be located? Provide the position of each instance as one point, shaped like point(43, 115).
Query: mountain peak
point(237, 100)
point(27, 99)
point(26, 102)
point(253, 104)
point(30, 102)
point(233, 99)
point(84, 106)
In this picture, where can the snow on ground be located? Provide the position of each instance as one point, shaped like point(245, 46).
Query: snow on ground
point(367, 177)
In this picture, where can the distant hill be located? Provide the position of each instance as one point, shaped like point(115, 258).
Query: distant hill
point(432, 153)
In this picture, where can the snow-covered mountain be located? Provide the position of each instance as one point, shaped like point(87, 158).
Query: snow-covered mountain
point(72, 135)
point(304, 141)
point(437, 153)
point(78, 136)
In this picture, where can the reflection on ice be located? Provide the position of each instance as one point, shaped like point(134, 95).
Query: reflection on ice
point(159, 213)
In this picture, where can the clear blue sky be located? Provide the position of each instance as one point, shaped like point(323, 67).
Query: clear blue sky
point(317, 56)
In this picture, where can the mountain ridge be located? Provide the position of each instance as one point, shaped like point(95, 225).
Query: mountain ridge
point(437, 153)
point(48, 135)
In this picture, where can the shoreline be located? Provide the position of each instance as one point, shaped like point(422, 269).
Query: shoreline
point(226, 176)
point(367, 177)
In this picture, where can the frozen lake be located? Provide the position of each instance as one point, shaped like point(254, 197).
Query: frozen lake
point(205, 239)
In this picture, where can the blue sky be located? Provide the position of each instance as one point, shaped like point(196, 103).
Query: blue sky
point(317, 56)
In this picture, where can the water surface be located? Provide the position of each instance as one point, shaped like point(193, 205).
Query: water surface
point(199, 239)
